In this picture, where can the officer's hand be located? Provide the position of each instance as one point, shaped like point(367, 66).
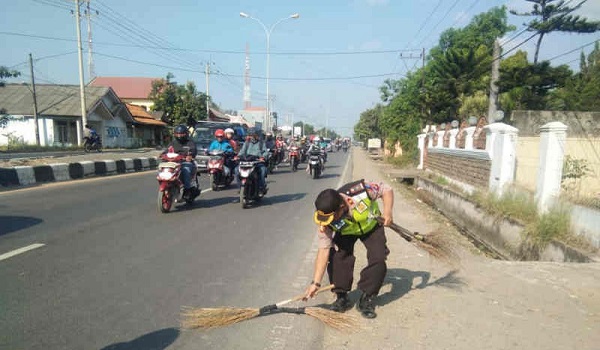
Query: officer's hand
point(387, 219)
point(310, 292)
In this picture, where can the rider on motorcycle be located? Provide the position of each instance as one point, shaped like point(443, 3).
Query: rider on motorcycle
point(222, 144)
point(183, 145)
point(255, 147)
point(314, 147)
point(90, 134)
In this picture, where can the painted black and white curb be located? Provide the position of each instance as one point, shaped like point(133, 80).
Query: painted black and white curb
point(31, 175)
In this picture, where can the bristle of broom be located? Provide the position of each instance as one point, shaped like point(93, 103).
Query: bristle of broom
point(206, 318)
point(438, 247)
point(340, 321)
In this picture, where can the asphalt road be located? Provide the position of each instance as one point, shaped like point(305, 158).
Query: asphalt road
point(113, 273)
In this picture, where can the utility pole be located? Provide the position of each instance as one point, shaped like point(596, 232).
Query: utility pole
point(207, 93)
point(493, 105)
point(35, 110)
point(423, 81)
point(81, 84)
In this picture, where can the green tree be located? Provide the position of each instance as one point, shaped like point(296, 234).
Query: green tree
point(182, 104)
point(368, 123)
point(581, 91)
point(529, 85)
point(7, 73)
point(555, 16)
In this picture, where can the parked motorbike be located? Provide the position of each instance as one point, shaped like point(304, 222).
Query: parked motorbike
point(92, 144)
point(249, 180)
point(315, 164)
point(294, 157)
point(170, 185)
point(220, 175)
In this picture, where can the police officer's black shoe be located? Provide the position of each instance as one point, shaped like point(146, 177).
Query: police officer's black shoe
point(341, 304)
point(366, 307)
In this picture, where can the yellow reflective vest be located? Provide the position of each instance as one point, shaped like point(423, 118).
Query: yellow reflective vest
point(362, 216)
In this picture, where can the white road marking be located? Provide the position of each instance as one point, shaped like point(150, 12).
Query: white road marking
point(206, 190)
point(20, 251)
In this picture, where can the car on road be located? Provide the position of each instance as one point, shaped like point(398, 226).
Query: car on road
point(204, 134)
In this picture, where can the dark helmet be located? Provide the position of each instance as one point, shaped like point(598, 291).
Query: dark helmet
point(253, 132)
point(181, 133)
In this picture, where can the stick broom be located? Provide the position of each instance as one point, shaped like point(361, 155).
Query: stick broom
point(433, 243)
point(206, 318)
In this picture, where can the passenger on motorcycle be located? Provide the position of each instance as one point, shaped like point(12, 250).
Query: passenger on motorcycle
point(229, 137)
point(257, 148)
point(183, 145)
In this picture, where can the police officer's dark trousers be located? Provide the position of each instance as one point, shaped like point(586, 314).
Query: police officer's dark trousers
point(341, 262)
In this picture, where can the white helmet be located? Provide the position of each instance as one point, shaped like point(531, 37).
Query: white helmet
point(316, 139)
point(229, 131)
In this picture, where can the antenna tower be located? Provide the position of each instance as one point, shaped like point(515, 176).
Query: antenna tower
point(247, 99)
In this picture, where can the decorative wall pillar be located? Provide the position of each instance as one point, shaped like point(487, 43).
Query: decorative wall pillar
point(469, 137)
point(552, 153)
point(501, 145)
point(453, 134)
point(440, 138)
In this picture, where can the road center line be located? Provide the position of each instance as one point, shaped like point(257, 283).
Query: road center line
point(20, 251)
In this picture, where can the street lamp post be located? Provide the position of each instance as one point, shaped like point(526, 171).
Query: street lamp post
point(268, 32)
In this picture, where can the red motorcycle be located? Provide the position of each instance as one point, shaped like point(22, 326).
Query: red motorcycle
point(220, 175)
point(294, 157)
point(170, 185)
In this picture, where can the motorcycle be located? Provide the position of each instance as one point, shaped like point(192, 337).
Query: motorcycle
point(271, 160)
point(315, 164)
point(249, 173)
point(294, 158)
point(170, 186)
point(345, 147)
point(92, 144)
point(220, 175)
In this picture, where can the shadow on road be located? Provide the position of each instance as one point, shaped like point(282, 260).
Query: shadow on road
point(215, 202)
point(157, 340)
point(10, 224)
point(402, 281)
point(282, 198)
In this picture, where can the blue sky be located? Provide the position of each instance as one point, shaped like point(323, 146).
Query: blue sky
point(150, 31)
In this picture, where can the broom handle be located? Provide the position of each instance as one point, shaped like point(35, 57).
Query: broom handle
point(301, 296)
point(403, 232)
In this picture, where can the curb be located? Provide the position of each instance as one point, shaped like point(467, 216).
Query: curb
point(20, 176)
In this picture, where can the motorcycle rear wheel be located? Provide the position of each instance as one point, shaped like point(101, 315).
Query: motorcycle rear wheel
point(165, 202)
point(243, 200)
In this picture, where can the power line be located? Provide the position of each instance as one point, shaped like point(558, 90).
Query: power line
point(576, 49)
point(241, 76)
point(232, 52)
point(440, 21)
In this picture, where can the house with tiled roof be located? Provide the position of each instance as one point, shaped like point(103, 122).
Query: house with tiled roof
point(146, 127)
point(59, 115)
point(132, 90)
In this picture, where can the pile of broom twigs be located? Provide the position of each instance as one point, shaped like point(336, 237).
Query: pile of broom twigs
point(433, 243)
point(207, 318)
